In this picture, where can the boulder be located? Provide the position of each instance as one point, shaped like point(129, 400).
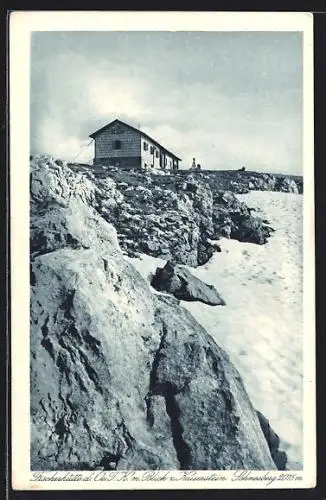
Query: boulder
point(250, 229)
point(122, 378)
point(181, 283)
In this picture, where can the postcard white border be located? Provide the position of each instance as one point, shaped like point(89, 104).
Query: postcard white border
point(22, 24)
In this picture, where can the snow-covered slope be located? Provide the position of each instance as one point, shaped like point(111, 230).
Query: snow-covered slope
point(261, 325)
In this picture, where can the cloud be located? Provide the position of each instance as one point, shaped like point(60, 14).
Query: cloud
point(116, 96)
point(227, 104)
point(228, 149)
point(71, 92)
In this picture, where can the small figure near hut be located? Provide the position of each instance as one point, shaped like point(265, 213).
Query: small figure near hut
point(195, 166)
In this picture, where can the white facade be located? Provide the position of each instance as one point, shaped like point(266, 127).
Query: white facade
point(150, 154)
point(153, 156)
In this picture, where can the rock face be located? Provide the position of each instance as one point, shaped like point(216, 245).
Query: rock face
point(273, 441)
point(287, 185)
point(121, 378)
point(180, 283)
point(234, 220)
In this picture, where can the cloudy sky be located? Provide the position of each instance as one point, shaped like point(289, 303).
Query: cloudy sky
point(227, 98)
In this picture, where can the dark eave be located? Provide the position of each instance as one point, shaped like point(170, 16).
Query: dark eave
point(94, 134)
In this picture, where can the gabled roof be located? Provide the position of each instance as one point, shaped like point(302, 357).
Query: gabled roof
point(94, 134)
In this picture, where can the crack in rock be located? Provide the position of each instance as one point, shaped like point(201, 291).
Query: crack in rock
point(168, 391)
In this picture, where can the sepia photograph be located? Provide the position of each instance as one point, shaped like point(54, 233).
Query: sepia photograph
point(169, 203)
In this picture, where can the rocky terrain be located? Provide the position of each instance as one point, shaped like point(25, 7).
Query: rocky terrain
point(176, 217)
point(242, 182)
point(122, 378)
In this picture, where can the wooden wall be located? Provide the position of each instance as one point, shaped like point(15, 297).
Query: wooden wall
point(105, 140)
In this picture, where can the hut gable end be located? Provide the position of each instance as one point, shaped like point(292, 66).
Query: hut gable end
point(117, 140)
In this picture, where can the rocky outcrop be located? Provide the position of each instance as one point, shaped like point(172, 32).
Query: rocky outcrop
point(121, 378)
point(233, 219)
point(287, 185)
point(273, 441)
point(244, 181)
point(172, 217)
point(183, 285)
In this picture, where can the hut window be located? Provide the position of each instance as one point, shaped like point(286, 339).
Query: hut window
point(157, 153)
point(151, 150)
point(145, 146)
point(117, 144)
